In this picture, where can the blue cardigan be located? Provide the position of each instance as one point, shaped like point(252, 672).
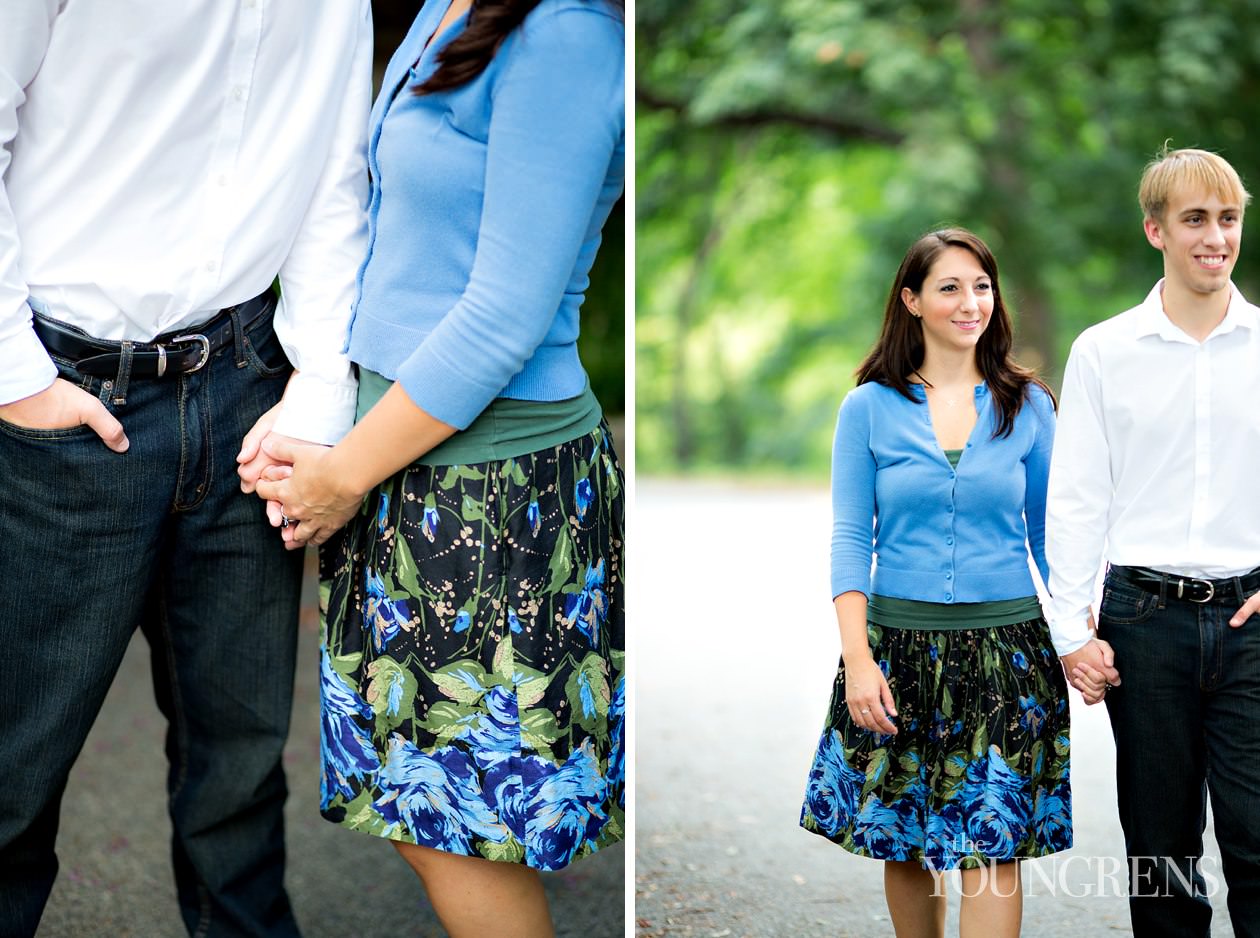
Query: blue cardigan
point(486, 207)
point(940, 535)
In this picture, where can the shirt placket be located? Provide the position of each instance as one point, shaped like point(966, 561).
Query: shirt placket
point(219, 206)
point(1199, 507)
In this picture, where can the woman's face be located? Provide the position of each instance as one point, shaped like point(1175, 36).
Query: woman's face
point(955, 303)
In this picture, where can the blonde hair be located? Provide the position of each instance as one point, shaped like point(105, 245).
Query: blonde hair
point(1195, 170)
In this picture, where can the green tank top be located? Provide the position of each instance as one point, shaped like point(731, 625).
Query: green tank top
point(915, 614)
point(505, 429)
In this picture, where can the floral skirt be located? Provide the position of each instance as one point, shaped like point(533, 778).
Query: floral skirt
point(472, 693)
point(978, 770)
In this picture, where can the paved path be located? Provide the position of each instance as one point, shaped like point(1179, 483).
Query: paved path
point(115, 879)
point(737, 650)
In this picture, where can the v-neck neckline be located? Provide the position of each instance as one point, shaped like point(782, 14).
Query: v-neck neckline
point(976, 395)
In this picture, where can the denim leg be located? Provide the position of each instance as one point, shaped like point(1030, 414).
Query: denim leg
point(79, 531)
point(1157, 721)
point(1231, 727)
point(223, 629)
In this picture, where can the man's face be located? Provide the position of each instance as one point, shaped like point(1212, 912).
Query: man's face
point(1199, 236)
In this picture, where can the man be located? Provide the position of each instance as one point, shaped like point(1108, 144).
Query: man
point(1154, 470)
point(162, 164)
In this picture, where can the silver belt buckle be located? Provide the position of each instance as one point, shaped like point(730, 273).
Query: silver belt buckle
point(1211, 590)
point(205, 351)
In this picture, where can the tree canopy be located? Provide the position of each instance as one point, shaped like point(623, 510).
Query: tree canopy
point(788, 151)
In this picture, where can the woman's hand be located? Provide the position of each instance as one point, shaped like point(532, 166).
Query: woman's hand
point(868, 695)
point(314, 498)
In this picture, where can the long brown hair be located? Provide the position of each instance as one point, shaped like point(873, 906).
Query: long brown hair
point(898, 353)
point(468, 54)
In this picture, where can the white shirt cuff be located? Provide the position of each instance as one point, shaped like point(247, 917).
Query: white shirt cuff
point(1068, 635)
point(316, 411)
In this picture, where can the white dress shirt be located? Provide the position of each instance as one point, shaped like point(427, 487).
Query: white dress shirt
point(163, 159)
point(1155, 456)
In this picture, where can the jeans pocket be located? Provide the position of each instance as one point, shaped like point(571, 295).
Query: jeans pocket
point(33, 434)
point(263, 350)
point(1123, 604)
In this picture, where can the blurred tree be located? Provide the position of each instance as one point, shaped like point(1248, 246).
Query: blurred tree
point(789, 151)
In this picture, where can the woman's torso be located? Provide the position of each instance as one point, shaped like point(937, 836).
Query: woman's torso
point(486, 210)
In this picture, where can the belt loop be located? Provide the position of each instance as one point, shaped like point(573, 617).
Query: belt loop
point(238, 336)
point(1163, 592)
point(1238, 590)
point(118, 395)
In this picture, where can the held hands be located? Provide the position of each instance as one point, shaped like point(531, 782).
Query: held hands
point(62, 406)
point(869, 698)
point(253, 459)
point(1091, 669)
point(304, 485)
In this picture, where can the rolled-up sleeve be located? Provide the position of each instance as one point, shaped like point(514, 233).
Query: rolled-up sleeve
point(852, 500)
point(557, 119)
point(1037, 475)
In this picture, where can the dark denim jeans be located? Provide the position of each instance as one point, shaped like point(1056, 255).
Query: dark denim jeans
point(94, 544)
point(1186, 721)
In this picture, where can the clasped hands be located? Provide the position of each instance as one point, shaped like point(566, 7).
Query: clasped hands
point(1091, 669)
point(304, 498)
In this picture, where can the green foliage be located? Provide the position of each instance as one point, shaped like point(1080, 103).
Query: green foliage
point(789, 150)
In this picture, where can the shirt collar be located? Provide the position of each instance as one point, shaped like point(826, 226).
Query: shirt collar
point(1151, 319)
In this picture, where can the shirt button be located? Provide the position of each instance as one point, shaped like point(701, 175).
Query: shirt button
point(950, 509)
point(210, 265)
point(953, 475)
point(949, 576)
point(238, 92)
point(949, 541)
point(223, 179)
point(949, 597)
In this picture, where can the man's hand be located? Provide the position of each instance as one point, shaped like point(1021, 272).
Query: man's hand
point(61, 406)
point(313, 494)
point(254, 459)
point(1091, 669)
point(1249, 609)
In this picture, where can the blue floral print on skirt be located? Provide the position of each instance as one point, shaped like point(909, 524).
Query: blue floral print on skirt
point(472, 687)
point(979, 768)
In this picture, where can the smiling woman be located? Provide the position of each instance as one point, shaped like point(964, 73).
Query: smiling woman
point(946, 740)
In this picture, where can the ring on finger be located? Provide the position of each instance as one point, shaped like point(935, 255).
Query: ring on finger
point(285, 520)
point(865, 710)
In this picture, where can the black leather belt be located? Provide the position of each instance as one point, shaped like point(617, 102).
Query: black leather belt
point(168, 355)
point(1191, 589)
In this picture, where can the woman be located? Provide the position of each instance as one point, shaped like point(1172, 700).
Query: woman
point(946, 744)
point(472, 690)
